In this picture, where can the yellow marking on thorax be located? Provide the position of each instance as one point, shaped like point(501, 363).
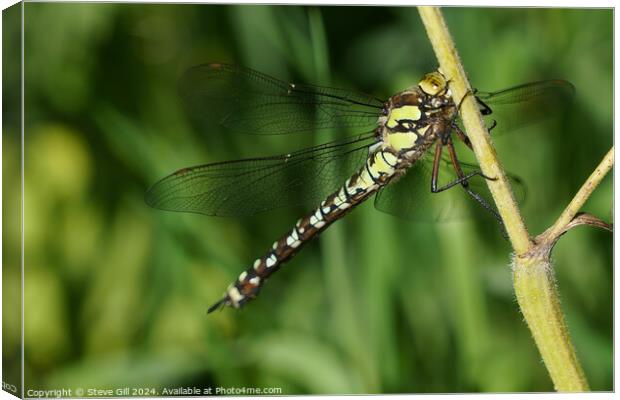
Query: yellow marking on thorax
point(404, 140)
point(405, 112)
point(400, 141)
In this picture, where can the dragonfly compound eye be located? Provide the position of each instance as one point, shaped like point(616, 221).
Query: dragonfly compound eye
point(433, 83)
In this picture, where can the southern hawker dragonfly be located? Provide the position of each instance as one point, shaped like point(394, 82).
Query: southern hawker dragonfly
point(389, 160)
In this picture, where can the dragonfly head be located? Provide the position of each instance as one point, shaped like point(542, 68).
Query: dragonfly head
point(434, 84)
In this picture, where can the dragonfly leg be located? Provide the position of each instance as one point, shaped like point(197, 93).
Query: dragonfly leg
point(459, 181)
point(470, 93)
point(462, 136)
point(486, 110)
point(463, 180)
point(436, 161)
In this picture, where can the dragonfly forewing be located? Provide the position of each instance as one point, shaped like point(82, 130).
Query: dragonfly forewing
point(248, 101)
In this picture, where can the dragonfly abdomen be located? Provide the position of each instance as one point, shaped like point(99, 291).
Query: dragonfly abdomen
point(376, 172)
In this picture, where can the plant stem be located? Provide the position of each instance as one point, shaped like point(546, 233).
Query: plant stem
point(533, 274)
point(582, 195)
point(536, 291)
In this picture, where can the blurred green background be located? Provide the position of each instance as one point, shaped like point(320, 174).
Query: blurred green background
point(116, 292)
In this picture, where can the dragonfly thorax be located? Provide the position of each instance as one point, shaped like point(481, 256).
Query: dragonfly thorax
point(413, 118)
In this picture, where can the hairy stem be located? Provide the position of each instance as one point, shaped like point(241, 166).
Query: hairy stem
point(536, 291)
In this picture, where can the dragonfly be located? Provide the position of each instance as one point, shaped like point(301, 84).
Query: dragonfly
point(409, 140)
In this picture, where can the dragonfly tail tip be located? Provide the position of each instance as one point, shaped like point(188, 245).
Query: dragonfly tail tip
point(219, 305)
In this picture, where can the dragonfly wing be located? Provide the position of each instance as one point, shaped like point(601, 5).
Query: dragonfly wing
point(248, 101)
point(526, 104)
point(251, 186)
point(411, 197)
